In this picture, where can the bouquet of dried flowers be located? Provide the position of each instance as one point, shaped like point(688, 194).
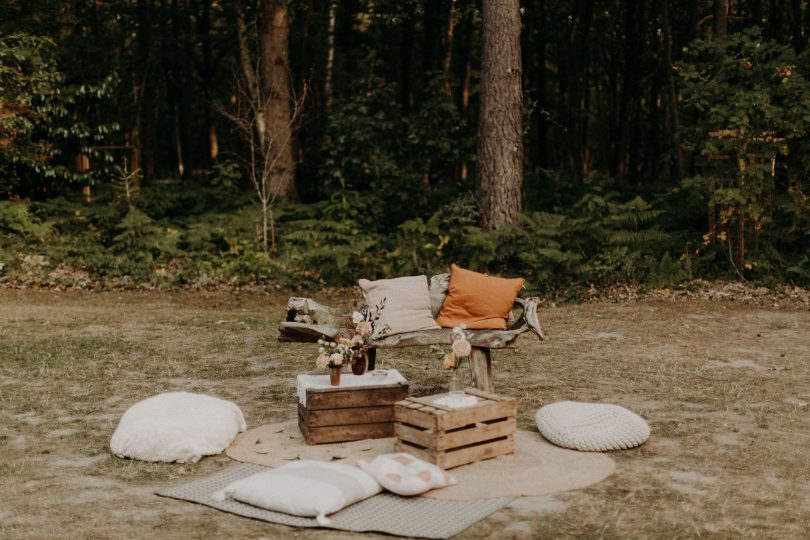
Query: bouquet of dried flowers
point(343, 349)
point(331, 354)
point(460, 348)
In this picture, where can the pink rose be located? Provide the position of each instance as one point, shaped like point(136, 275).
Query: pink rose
point(322, 361)
point(462, 348)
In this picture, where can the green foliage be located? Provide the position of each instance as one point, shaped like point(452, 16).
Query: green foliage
point(402, 166)
point(750, 141)
point(598, 240)
point(140, 236)
point(225, 173)
point(428, 246)
point(41, 122)
point(16, 218)
point(332, 251)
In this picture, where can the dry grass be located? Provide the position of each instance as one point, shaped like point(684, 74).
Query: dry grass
point(725, 388)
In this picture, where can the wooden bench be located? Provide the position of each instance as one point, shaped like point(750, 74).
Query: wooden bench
point(307, 321)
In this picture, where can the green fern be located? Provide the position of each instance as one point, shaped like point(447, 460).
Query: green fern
point(141, 236)
point(16, 218)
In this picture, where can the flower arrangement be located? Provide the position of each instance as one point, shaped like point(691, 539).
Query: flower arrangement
point(331, 354)
point(343, 349)
point(460, 348)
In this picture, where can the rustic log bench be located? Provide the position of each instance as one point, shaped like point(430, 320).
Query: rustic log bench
point(308, 321)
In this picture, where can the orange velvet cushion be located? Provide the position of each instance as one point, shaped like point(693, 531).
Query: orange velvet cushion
point(478, 300)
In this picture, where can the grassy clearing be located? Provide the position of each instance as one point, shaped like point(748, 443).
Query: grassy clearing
point(725, 387)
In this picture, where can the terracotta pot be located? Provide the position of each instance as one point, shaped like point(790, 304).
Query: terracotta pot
point(359, 363)
point(334, 376)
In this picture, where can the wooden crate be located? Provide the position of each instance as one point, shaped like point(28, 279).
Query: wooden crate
point(453, 437)
point(350, 413)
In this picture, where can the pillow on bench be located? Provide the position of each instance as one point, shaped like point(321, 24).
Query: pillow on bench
point(478, 300)
point(407, 304)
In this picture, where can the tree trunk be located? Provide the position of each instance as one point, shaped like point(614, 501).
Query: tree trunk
point(275, 69)
point(175, 74)
point(466, 82)
point(144, 134)
point(721, 8)
point(248, 71)
point(500, 124)
point(537, 80)
point(207, 77)
point(447, 61)
point(799, 41)
point(574, 85)
point(328, 91)
point(631, 89)
point(672, 96)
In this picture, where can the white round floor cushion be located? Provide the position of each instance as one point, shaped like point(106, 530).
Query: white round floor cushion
point(592, 427)
point(177, 426)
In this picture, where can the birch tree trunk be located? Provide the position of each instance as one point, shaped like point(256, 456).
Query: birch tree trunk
point(275, 70)
point(500, 125)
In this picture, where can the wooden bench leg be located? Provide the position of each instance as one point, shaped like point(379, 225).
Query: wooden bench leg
point(481, 368)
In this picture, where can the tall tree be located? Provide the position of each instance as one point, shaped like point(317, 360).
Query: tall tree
point(500, 124)
point(144, 135)
point(276, 84)
point(721, 8)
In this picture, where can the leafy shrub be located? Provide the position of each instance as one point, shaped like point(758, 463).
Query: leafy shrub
point(752, 100)
point(139, 235)
point(45, 121)
point(16, 218)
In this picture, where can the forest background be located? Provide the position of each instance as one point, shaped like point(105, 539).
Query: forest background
point(313, 142)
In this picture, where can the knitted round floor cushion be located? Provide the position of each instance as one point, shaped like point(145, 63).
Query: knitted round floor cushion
point(591, 426)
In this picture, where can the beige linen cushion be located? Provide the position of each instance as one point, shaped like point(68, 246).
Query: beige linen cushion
point(407, 304)
point(303, 488)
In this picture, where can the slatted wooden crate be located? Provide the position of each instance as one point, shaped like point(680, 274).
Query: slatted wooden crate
point(350, 413)
point(452, 437)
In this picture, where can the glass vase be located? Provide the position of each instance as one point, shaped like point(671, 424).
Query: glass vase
point(456, 386)
point(359, 363)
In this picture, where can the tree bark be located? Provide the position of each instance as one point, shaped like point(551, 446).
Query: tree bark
point(144, 134)
point(537, 80)
point(246, 66)
point(631, 89)
point(175, 71)
point(721, 8)
point(672, 96)
point(573, 72)
point(447, 61)
point(799, 41)
point(275, 71)
point(500, 124)
point(406, 66)
point(328, 91)
point(207, 77)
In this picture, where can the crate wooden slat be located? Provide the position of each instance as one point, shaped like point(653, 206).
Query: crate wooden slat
point(452, 437)
point(340, 414)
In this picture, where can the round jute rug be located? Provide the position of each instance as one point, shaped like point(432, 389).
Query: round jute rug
point(536, 468)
